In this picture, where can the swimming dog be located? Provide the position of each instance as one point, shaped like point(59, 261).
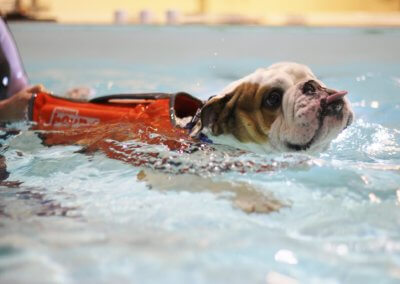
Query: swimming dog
point(284, 107)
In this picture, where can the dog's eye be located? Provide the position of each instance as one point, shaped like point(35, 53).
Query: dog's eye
point(273, 99)
point(308, 88)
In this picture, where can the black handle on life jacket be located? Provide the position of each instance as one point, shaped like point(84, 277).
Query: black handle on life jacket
point(140, 96)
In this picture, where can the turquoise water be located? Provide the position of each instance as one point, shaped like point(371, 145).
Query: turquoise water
point(87, 219)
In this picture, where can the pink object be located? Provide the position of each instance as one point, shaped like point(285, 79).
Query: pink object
point(17, 79)
point(336, 96)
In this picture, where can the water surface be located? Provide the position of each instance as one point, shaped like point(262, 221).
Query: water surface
point(86, 218)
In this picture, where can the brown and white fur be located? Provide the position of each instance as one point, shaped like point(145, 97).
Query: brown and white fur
point(284, 107)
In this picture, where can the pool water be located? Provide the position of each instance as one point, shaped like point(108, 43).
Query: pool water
point(78, 218)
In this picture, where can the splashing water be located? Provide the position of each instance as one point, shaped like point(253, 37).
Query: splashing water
point(81, 216)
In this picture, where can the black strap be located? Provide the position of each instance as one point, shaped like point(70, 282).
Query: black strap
point(140, 96)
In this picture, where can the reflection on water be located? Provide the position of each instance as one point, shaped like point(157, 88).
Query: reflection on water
point(75, 215)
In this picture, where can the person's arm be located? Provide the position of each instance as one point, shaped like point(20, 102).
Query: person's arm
point(14, 108)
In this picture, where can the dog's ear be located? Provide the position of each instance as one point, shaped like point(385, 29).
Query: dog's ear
point(209, 113)
point(219, 112)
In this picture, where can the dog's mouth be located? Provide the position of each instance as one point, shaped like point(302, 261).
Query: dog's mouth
point(331, 106)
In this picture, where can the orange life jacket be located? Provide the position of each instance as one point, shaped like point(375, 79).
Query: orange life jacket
point(51, 112)
point(116, 117)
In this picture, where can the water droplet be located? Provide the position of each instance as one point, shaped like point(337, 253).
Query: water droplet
point(373, 198)
point(286, 256)
point(365, 180)
point(360, 78)
point(342, 249)
point(374, 104)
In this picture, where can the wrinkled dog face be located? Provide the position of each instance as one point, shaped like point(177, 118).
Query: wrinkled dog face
point(284, 107)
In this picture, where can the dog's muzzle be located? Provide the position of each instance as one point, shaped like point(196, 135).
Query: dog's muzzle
point(332, 104)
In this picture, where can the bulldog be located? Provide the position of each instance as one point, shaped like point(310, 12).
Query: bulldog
point(284, 107)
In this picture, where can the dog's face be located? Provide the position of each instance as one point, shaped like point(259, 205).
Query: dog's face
point(284, 107)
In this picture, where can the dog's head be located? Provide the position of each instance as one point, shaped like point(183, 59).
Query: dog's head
point(284, 107)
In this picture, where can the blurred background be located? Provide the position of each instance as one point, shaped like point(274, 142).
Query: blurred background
point(258, 12)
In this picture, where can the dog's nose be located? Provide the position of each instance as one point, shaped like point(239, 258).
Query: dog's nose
point(335, 96)
point(333, 104)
